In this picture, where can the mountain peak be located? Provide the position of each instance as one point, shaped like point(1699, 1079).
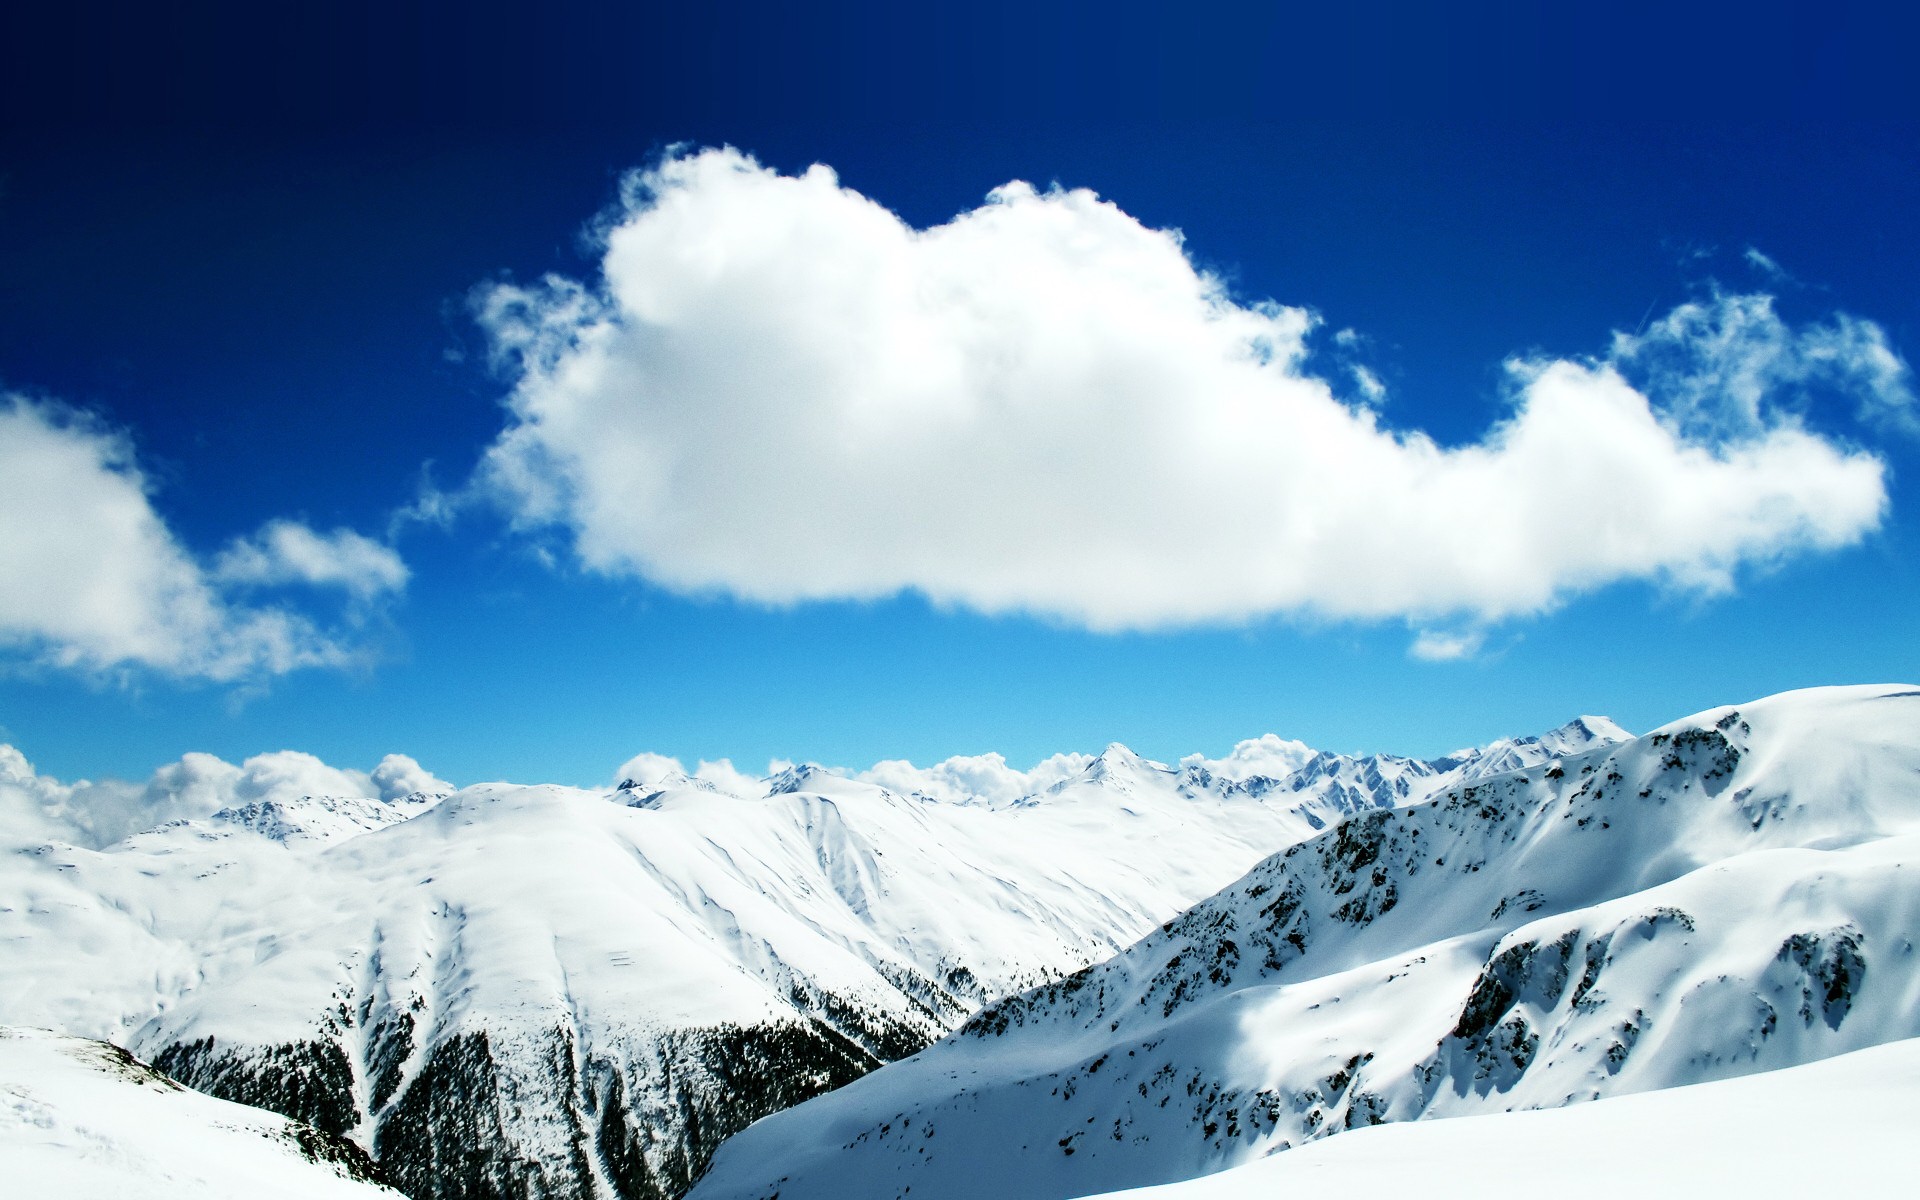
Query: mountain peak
point(322, 818)
point(1584, 732)
point(1116, 761)
point(797, 778)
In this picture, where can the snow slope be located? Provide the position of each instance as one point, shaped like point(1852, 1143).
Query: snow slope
point(1734, 893)
point(581, 993)
point(82, 1120)
point(1843, 1126)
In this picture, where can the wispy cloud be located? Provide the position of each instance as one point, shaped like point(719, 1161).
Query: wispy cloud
point(1765, 265)
point(285, 552)
point(93, 580)
point(1728, 367)
point(780, 391)
point(1438, 645)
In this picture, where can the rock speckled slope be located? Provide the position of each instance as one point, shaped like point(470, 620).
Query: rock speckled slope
point(1839, 1127)
point(1734, 893)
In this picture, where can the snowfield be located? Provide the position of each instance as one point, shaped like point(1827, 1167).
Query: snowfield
point(80, 1120)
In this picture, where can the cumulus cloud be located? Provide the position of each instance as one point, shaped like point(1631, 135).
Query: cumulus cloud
point(968, 775)
point(722, 774)
point(399, 775)
point(289, 552)
point(290, 774)
point(648, 770)
point(779, 391)
point(1269, 754)
point(39, 807)
point(91, 577)
point(197, 785)
point(33, 808)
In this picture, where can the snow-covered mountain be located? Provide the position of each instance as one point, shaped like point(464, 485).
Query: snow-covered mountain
point(83, 1120)
point(1731, 894)
point(550, 991)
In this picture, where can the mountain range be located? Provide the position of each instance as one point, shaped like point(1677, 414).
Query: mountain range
point(1113, 973)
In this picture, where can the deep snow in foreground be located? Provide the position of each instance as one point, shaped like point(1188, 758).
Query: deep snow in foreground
point(1734, 893)
point(80, 1120)
point(1840, 1127)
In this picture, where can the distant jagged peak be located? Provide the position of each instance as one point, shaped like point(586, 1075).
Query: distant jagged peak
point(1118, 755)
point(1255, 767)
point(417, 800)
point(1578, 736)
point(1584, 733)
point(322, 818)
point(674, 787)
point(1325, 763)
point(1118, 765)
point(1268, 757)
point(1334, 783)
point(672, 781)
point(802, 777)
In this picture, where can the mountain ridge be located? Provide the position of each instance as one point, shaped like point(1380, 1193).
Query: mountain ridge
point(586, 990)
point(1725, 895)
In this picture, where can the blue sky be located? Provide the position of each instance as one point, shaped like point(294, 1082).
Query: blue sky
point(255, 256)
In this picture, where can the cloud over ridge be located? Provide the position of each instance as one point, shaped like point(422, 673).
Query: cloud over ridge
point(196, 785)
point(781, 392)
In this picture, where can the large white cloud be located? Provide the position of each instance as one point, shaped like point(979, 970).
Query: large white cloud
point(782, 392)
point(91, 577)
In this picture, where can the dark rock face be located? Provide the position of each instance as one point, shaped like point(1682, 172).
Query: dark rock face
point(1830, 969)
point(319, 1146)
point(485, 1117)
point(310, 1081)
point(1493, 1040)
point(730, 1077)
point(445, 1138)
